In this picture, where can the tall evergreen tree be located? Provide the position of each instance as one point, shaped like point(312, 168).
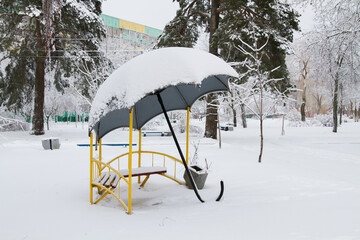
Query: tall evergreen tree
point(268, 21)
point(226, 21)
point(42, 36)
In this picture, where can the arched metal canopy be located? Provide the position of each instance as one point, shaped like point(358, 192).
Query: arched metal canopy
point(179, 75)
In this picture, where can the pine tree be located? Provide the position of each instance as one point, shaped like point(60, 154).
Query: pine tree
point(42, 36)
point(272, 21)
point(226, 21)
point(183, 31)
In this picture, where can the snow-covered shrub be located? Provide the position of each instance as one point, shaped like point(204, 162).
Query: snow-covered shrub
point(153, 124)
point(197, 159)
point(346, 119)
point(13, 124)
point(325, 120)
point(321, 120)
point(181, 128)
point(195, 129)
point(178, 122)
point(299, 124)
point(293, 115)
point(181, 125)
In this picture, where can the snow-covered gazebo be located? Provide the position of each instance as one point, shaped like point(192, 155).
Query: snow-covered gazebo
point(153, 83)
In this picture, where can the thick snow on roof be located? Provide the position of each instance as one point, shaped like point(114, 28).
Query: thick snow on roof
point(153, 71)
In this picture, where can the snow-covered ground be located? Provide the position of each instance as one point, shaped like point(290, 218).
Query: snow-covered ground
point(308, 187)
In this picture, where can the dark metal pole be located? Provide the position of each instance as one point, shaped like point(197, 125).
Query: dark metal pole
point(179, 149)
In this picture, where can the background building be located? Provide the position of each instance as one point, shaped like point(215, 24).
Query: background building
point(125, 40)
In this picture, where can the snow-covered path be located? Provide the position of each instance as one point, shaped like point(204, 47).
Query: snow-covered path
point(308, 187)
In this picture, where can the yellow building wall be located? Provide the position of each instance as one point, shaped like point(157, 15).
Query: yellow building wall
point(131, 26)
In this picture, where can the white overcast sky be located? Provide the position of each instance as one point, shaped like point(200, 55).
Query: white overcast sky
point(307, 18)
point(152, 13)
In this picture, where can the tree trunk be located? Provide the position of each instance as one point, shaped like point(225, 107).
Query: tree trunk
point(232, 105)
point(214, 23)
point(211, 111)
point(355, 114)
point(304, 76)
point(243, 115)
point(302, 111)
point(75, 119)
point(303, 104)
point(219, 127)
point(340, 114)
point(234, 117)
point(335, 103)
point(261, 117)
point(39, 84)
point(83, 120)
point(319, 103)
point(261, 139)
point(341, 104)
point(261, 123)
point(47, 122)
point(211, 117)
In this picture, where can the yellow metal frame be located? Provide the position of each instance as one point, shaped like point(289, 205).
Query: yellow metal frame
point(110, 189)
point(166, 156)
point(187, 134)
point(139, 157)
point(91, 168)
point(130, 160)
point(98, 166)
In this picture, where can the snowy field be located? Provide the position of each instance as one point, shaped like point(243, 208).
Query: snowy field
point(308, 187)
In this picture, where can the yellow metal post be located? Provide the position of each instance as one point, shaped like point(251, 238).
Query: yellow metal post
point(145, 180)
point(139, 160)
point(130, 159)
point(100, 150)
point(91, 167)
point(187, 135)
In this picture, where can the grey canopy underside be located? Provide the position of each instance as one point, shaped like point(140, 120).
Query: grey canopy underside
point(178, 97)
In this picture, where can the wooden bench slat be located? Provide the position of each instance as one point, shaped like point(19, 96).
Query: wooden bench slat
point(109, 180)
point(105, 178)
point(143, 171)
point(113, 180)
point(98, 180)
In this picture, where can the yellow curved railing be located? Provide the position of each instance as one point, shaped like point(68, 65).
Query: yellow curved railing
point(97, 173)
point(98, 167)
point(106, 165)
point(153, 153)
